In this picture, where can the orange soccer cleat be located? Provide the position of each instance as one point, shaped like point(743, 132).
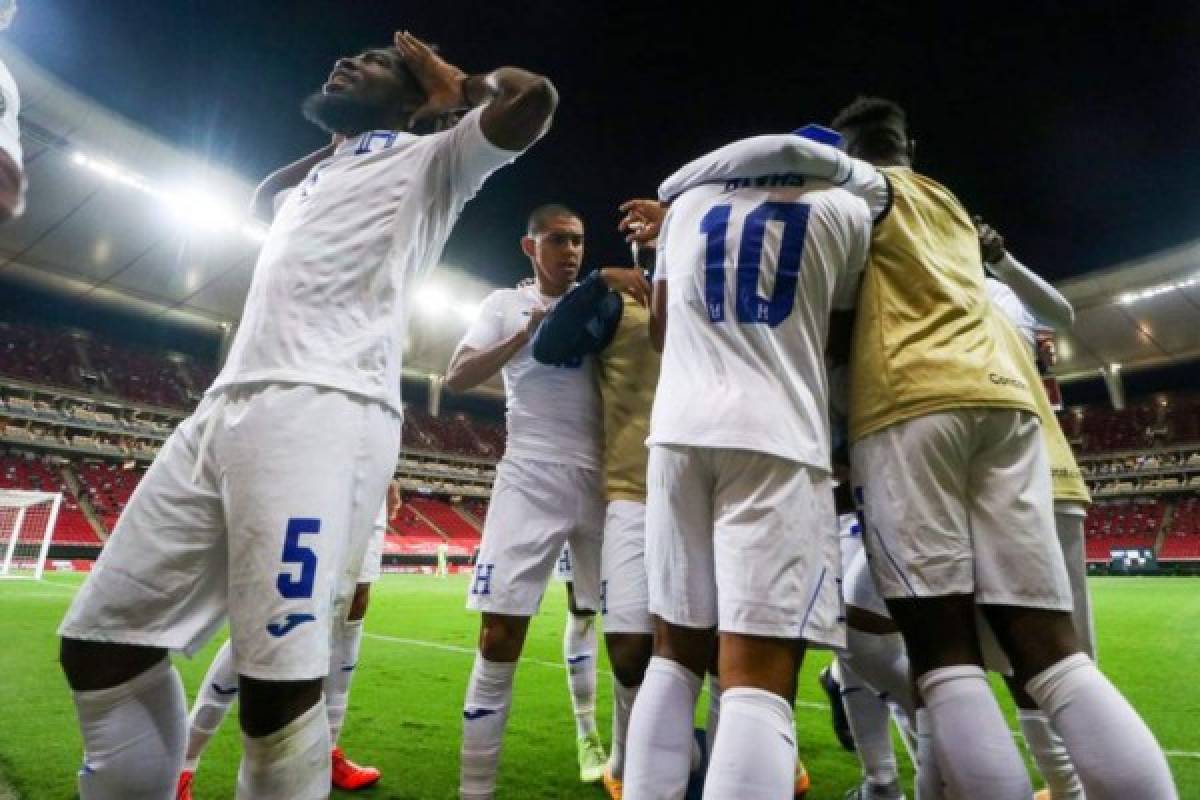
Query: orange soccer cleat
point(614, 786)
point(802, 781)
point(183, 791)
point(349, 776)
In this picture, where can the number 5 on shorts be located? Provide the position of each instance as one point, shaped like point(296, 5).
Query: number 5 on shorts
point(296, 553)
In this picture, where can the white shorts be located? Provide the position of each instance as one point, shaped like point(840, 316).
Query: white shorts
point(536, 508)
point(258, 506)
point(745, 542)
point(562, 567)
point(624, 600)
point(858, 587)
point(959, 502)
point(372, 563)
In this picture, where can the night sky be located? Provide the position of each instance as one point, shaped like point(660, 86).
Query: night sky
point(1075, 132)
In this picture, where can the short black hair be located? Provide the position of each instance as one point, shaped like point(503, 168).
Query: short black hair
point(866, 112)
point(873, 120)
point(540, 217)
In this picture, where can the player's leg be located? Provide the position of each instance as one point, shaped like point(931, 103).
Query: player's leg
point(682, 596)
point(776, 565)
point(297, 538)
point(628, 629)
point(1029, 609)
point(526, 526)
point(347, 643)
point(869, 719)
point(579, 650)
point(215, 697)
point(158, 585)
point(915, 484)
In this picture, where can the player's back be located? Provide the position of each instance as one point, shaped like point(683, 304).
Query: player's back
point(923, 341)
point(752, 276)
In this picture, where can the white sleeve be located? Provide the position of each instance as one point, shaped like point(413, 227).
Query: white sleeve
point(780, 153)
point(464, 158)
point(845, 295)
point(1046, 302)
point(660, 257)
point(10, 132)
point(488, 326)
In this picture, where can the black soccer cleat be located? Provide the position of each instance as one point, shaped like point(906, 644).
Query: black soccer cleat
point(837, 711)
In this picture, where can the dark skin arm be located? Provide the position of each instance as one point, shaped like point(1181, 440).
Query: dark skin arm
point(10, 187)
point(262, 205)
point(520, 104)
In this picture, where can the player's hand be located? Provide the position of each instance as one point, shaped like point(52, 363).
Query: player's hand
point(991, 243)
point(441, 81)
point(642, 221)
point(536, 316)
point(629, 280)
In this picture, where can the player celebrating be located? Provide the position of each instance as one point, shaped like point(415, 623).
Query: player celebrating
point(548, 489)
point(947, 448)
point(259, 504)
point(220, 685)
point(607, 316)
point(740, 524)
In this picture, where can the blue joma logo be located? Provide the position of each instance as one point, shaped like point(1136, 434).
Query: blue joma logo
point(289, 622)
point(575, 661)
point(471, 714)
point(221, 690)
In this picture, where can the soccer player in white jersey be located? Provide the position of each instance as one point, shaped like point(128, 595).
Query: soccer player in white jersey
point(549, 489)
point(260, 504)
point(946, 444)
point(220, 685)
point(12, 167)
point(741, 532)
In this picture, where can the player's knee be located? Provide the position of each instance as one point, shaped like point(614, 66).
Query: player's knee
point(629, 654)
point(938, 631)
point(102, 665)
point(358, 606)
point(501, 637)
point(267, 706)
point(691, 647)
point(1033, 639)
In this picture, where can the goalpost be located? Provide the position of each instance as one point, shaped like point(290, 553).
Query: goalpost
point(26, 526)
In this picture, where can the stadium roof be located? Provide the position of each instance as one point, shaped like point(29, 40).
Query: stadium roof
point(117, 216)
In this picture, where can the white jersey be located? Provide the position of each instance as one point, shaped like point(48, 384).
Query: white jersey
point(752, 274)
point(329, 301)
point(1007, 302)
point(10, 133)
point(553, 413)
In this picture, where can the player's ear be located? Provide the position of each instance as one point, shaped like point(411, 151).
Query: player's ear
point(528, 246)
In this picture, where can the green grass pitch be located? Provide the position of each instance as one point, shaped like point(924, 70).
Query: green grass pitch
point(406, 700)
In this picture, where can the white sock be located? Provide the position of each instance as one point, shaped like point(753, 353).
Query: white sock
point(133, 737)
point(1112, 749)
point(1050, 755)
point(485, 713)
point(929, 777)
point(659, 751)
point(713, 720)
point(623, 698)
point(343, 658)
point(579, 653)
point(755, 754)
point(975, 751)
point(870, 722)
point(290, 764)
point(882, 663)
point(216, 695)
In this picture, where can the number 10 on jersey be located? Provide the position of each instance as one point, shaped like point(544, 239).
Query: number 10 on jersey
point(750, 307)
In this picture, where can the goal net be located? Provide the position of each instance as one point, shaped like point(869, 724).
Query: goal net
point(26, 526)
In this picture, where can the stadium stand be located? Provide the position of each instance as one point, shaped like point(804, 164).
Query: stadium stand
point(27, 471)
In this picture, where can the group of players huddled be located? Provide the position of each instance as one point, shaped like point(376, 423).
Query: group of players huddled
point(819, 424)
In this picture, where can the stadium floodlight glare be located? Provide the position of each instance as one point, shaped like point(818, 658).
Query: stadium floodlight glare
point(468, 311)
point(1129, 298)
point(190, 205)
point(433, 298)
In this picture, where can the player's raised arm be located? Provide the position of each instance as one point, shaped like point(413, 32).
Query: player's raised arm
point(520, 104)
point(263, 203)
point(782, 153)
point(1043, 300)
